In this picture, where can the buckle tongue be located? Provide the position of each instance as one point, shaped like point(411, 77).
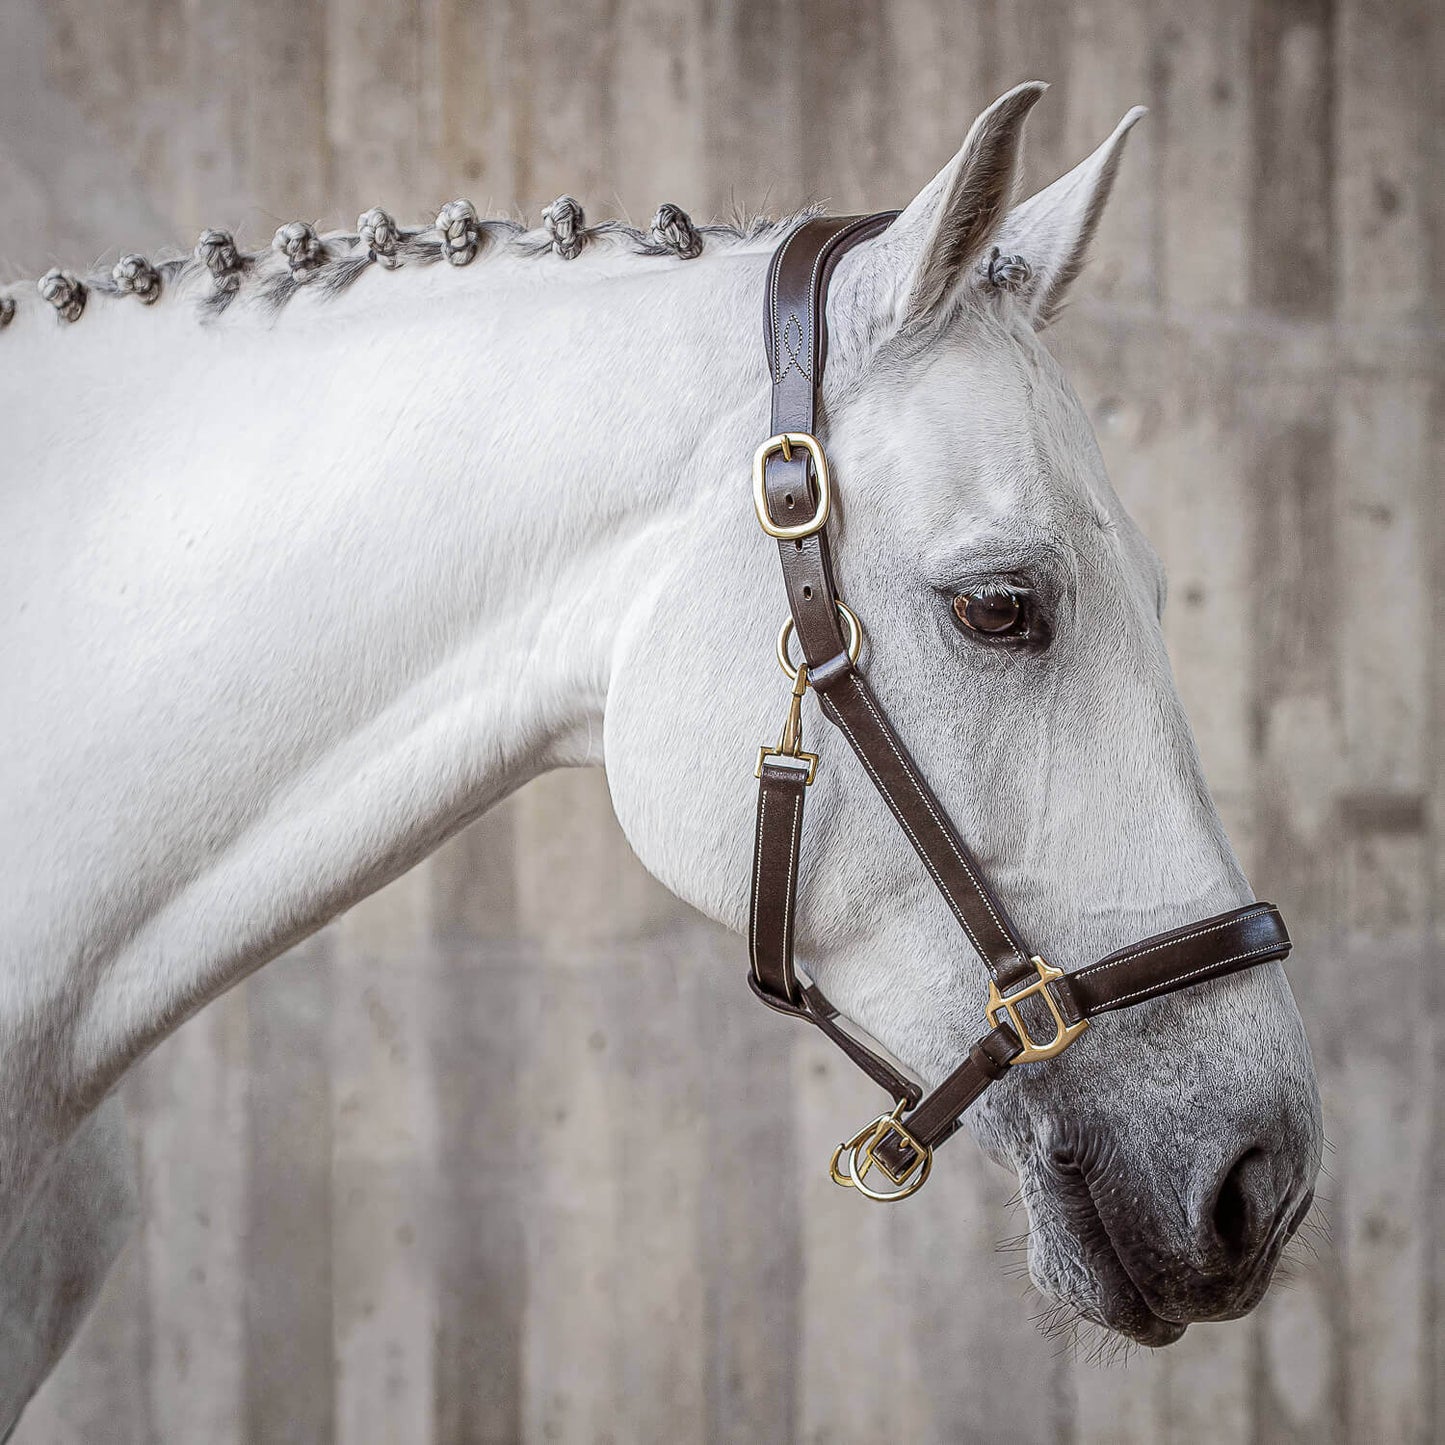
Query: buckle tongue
point(1002, 1009)
point(852, 1161)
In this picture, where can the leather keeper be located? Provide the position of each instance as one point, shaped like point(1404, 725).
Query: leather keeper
point(828, 674)
point(993, 1054)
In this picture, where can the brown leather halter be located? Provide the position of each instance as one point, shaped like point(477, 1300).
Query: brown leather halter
point(1034, 1011)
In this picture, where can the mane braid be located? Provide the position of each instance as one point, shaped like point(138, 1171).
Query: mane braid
point(301, 259)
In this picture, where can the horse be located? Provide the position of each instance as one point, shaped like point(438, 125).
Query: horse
point(313, 554)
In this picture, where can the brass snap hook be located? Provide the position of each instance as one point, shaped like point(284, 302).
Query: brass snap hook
point(790, 745)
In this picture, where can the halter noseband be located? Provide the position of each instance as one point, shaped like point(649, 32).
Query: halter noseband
point(1034, 1011)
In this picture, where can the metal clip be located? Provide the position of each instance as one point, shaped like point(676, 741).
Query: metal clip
point(790, 745)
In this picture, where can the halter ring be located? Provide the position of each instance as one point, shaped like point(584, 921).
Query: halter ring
point(851, 1162)
point(1003, 1009)
point(850, 621)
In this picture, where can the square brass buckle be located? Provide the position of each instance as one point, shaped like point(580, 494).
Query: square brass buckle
point(852, 1161)
point(1003, 1009)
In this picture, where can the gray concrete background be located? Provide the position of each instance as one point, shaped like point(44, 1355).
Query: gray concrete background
point(338, 1243)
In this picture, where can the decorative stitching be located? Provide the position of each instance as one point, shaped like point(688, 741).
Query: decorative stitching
point(823, 252)
point(789, 978)
point(758, 876)
point(782, 252)
point(795, 351)
point(903, 823)
point(1105, 964)
point(932, 812)
point(1169, 985)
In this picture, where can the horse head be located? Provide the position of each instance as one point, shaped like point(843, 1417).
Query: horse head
point(1012, 615)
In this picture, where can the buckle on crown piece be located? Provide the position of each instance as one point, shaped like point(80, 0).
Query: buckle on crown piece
point(785, 442)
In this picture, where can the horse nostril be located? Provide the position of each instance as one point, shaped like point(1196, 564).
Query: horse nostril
point(1239, 1206)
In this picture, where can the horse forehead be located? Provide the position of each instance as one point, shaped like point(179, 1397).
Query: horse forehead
point(980, 422)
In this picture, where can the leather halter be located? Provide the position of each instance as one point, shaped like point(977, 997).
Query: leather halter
point(1033, 1011)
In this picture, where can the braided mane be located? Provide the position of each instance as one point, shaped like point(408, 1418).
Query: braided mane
point(301, 257)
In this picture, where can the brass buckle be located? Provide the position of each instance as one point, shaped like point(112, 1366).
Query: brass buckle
point(785, 442)
point(1003, 1008)
point(859, 1155)
point(808, 760)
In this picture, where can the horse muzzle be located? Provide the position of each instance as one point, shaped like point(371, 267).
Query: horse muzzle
point(1164, 1252)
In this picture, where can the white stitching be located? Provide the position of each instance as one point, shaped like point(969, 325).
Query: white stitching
point(812, 341)
point(758, 878)
point(1169, 985)
point(932, 812)
point(773, 287)
point(777, 376)
point(825, 249)
point(788, 977)
point(1105, 964)
point(904, 824)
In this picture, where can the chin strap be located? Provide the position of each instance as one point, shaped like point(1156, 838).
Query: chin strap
point(1034, 1011)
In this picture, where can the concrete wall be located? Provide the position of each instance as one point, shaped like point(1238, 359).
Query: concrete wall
point(479, 1162)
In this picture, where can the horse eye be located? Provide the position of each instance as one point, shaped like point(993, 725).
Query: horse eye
point(995, 614)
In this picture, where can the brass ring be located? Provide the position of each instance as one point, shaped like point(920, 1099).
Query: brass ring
point(881, 1196)
point(850, 621)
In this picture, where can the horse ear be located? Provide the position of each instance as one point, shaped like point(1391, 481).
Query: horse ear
point(1051, 231)
point(919, 264)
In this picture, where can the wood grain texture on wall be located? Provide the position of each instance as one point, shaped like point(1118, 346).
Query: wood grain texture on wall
point(339, 1243)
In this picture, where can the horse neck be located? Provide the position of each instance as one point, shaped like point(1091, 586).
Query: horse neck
point(328, 583)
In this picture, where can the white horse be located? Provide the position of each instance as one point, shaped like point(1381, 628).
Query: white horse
point(313, 561)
